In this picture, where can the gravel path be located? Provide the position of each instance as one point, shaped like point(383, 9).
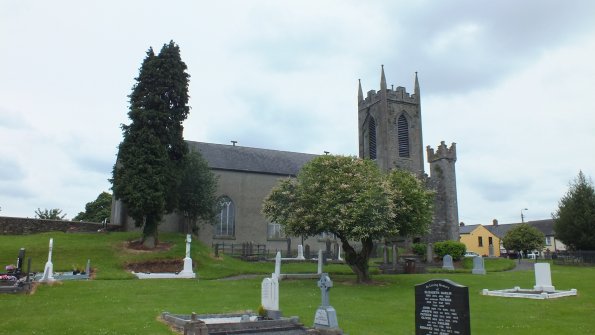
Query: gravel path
point(524, 265)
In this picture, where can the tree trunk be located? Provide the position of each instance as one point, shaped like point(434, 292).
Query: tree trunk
point(358, 262)
point(150, 232)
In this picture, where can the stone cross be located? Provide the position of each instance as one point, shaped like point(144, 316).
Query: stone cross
point(278, 264)
point(325, 283)
point(320, 256)
point(188, 240)
point(48, 272)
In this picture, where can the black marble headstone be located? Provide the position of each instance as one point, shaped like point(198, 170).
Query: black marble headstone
point(442, 307)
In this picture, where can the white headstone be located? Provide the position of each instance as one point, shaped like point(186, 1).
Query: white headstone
point(275, 293)
point(188, 240)
point(543, 278)
point(320, 261)
point(339, 254)
point(478, 266)
point(48, 272)
point(265, 293)
point(447, 263)
point(278, 264)
point(300, 252)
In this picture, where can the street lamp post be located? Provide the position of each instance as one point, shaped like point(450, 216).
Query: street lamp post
point(522, 215)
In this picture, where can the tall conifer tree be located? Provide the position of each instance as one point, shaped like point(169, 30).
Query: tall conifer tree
point(151, 155)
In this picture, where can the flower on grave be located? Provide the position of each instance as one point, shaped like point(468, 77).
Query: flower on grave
point(7, 277)
point(10, 267)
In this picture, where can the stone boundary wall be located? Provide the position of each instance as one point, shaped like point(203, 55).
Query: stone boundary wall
point(24, 226)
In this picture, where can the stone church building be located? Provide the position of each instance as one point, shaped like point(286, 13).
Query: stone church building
point(390, 132)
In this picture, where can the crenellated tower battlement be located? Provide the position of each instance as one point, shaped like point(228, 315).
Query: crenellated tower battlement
point(443, 152)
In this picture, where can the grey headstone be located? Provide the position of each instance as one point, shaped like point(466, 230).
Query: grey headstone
point(478, 266)
point(447, 263)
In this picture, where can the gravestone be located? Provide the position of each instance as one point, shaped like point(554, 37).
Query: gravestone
point(339, 258)
point(326, 316)
point(543, 278)
point(48, 272)
point(300, 252)
point(288, 247)
point(335, 250)
point(269, 294)
point(430, 253)
point(277, 265)
point(384, 254)
point(20, 260)
point(447, 263)
point(307, 252)
point(442, 307)
point(394, 256)
point(491, 250)
point(478, 266)
point(187, 270)
point(320, 261)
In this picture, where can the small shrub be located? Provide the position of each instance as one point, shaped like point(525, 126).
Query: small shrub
point(419, 249)
point(453, 248)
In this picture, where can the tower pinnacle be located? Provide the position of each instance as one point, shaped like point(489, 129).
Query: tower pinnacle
point(360, 93)
point(416, 89)
point(382, 80)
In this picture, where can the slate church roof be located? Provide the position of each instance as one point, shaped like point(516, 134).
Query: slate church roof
point(246, 159)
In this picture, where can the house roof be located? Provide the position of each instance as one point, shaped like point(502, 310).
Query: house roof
point(545, 226)
point(467, 229)
point(247, 159)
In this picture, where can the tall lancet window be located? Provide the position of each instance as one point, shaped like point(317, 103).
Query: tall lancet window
point(372, 138)
point(403, 136)
point(225, 224)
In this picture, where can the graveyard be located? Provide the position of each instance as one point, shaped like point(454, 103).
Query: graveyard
point(114, 301)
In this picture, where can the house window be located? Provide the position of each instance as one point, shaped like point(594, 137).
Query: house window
point(372, 138)
point(480, 241)
point(548, 240)
point(225, 218)
point(403, 136)
point(490, 242)
point(274, 231)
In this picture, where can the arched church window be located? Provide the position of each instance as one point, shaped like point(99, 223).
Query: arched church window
point(372, 138)
point(226, 217)
point(403, 136)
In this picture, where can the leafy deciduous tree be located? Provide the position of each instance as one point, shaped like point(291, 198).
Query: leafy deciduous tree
point(49, 214)
point(352, 199)
point(197, 190)
point(574, 221)
point(97, 210)
point(524, 237)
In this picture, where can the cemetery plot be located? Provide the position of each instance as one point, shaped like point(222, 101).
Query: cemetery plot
point(543, 288)
point(14, 280)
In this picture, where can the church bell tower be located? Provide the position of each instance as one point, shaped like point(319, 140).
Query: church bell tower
point(390, 132)
point(389, 124)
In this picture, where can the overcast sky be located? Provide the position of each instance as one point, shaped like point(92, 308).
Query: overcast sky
point(511, 82)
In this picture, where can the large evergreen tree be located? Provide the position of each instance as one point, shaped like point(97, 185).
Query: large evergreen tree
point(574, 221)
point(151, 155)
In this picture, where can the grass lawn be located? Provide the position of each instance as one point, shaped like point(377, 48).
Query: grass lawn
point(114, 303)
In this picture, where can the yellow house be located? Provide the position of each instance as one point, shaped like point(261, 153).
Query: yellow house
point(480, 240)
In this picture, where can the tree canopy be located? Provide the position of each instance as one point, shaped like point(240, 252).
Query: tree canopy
point(524, 237)
point(146, 176)
point(574, 220)
point(49, 214)
point(98, 210)
point(197, 190)
point(354, 200)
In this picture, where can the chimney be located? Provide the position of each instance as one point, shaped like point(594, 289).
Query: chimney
point(494, 222)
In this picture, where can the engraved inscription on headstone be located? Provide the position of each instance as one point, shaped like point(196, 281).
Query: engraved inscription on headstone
point(441, 307)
